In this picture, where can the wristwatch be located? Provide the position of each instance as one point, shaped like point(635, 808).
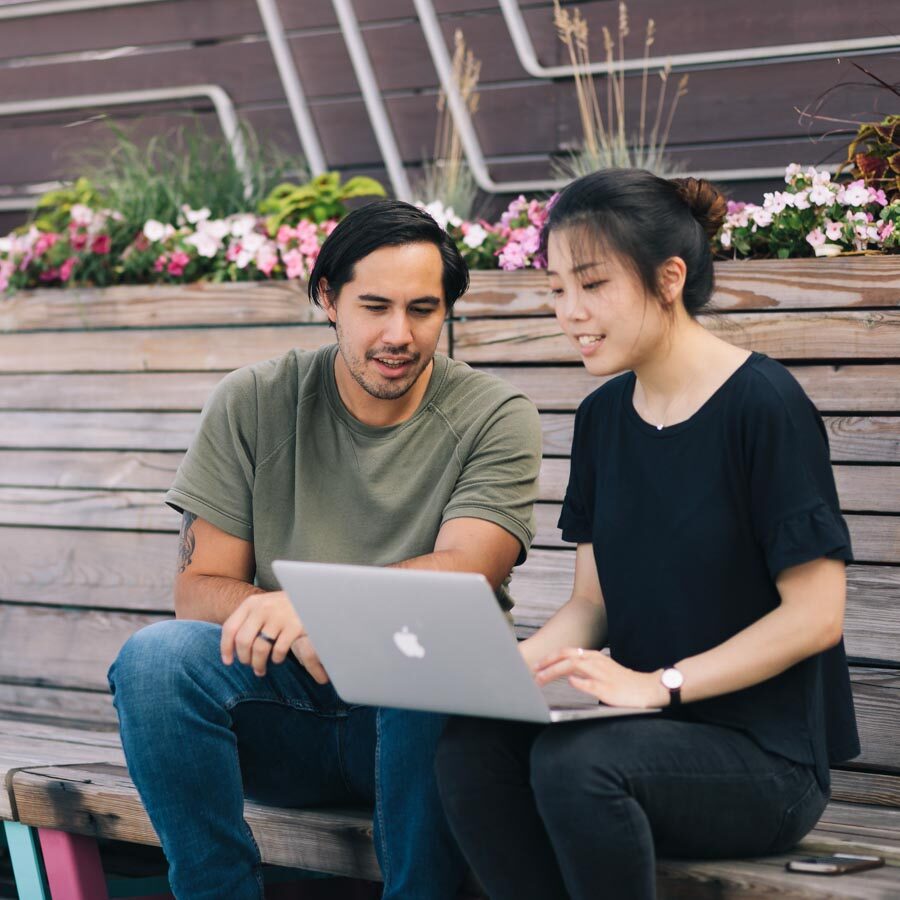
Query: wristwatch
point(672, 681)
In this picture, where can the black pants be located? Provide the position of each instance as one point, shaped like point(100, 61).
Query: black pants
point(582, 810)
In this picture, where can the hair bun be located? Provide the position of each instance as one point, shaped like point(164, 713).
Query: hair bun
point(706, 202)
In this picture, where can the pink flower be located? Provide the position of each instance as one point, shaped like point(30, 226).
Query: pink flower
point(78, 240)
point(50, 274)
point(285, 233)
point(7, 267)
point(294, 265)
point(734, 206)
point(233, 251)
point(877, 197)
point(537, 214)
point(266, 259)
point(309, 246)
point(887, 229)
point(160, 263)
point(833, 230)
point(329, 226)
point(530, 240)
point(101, 244)
point(44, 242)
point(177, 262)
point(816, 238)
point(511, 257)
point(65, 270)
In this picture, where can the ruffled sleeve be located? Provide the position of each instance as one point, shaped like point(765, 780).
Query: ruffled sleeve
point(793, 499)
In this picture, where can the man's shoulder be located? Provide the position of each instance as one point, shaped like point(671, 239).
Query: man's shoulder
point(465, 385)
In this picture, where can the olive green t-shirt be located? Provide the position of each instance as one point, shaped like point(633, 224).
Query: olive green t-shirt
point(278, 460)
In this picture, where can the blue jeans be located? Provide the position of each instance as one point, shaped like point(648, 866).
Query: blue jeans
point(199, 736)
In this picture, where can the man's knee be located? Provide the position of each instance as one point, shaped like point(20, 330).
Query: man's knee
point(153, 659)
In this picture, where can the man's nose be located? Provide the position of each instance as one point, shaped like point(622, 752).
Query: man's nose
point(398, 332)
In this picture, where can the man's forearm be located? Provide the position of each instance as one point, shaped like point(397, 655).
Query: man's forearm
point(444, 561)
point(210, 598)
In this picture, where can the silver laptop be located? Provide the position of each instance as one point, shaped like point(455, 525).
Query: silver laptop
point(434, 641)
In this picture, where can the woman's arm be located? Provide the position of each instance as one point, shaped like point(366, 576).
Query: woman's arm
point(809, 620)
point(581, 622)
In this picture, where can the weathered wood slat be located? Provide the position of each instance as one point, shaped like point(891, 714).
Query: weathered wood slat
point(865, 787)
point(871, 629)
point(156, 306)
point(111, 569)
point(839, 388)
point(103, 801)
point(75, 709)
point(868, 488)
point(876, 539)
point(123, 469)
point(142, 510)
point(795, 336)
point(761, 284)
point(137, 391)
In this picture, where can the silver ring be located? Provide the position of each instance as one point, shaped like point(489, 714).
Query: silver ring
point(266, 637)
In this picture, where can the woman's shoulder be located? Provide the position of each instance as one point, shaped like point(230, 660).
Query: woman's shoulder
point(768, 387)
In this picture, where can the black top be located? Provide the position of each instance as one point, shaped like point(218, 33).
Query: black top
point(690, 526)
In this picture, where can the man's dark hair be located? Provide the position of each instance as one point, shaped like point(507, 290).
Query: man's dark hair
point(385, 223)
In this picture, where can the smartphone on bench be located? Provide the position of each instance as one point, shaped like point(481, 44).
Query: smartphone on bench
point(837, 864)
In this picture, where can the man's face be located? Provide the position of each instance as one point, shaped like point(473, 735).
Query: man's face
point(389, 318)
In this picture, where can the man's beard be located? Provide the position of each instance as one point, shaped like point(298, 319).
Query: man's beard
point(375, 386)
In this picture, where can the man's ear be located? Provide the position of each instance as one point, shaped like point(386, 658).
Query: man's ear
point(327, 298)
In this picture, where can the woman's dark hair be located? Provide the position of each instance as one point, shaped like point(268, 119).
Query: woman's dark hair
point(385, 223)
point(646, 220)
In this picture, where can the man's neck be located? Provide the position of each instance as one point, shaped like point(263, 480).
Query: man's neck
point(371, 410)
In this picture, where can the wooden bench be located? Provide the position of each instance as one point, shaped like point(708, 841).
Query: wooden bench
point(100, 393)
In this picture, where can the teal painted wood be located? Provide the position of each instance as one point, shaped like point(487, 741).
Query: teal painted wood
point(26, 861)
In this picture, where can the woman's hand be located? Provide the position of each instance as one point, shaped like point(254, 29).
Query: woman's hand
point(597, 674)
point(266, 626)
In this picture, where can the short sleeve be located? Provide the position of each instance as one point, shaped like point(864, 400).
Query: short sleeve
point(794, 505)
point(215, 478)
point(576, 519)
point(499, 477)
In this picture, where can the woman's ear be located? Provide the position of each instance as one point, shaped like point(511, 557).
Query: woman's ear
point(672, 275)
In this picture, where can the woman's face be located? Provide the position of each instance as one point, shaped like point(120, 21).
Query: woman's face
point(602, 306)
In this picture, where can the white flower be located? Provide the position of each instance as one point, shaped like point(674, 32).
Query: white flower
point(242, 224)
point(205, 243)
point(821, 194)
point(801, 200)
point(822, 178)
point(5, 245)
point(444, 216)
point(791, 172)
point(253, 241)
point(475, 236)
point(155, 231)
point(829, 250)
point(725, 238)
point(218, 229)
point(833, 230)
point(855, 194)
point(762, 218)
point(816, 238)
point(195, 215)
point(81, 215)
point(777, 202)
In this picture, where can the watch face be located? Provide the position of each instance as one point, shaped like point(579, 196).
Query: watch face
point(672, 679)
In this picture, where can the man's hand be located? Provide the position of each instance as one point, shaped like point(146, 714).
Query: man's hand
point(265, 626)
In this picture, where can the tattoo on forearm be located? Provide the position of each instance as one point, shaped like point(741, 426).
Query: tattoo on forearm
point(188, 541)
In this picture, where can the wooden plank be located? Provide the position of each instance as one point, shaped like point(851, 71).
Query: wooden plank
point(795, 336)
point(543, 583)
point(865, 787)
point(865, 388)
point(107, 569)
point(851, 438)
point(150, 391)
point(68, 648)
point(21, 751)
point(741, 285)
point(144, 350)
point(868, 488)
point(876, 539)
point(122, 469)
point(61, 508)
point(160, 306)
point(103, 801)
point(97, 430)
point(76, 709)
point(139, 350)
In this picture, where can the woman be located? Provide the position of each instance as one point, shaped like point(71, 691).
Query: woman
point(710, 560)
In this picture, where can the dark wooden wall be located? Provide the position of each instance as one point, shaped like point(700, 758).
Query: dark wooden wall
point(735, 115)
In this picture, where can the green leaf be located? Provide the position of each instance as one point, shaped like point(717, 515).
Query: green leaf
point(361, 186)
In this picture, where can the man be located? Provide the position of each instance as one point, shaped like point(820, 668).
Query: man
point(378, 451)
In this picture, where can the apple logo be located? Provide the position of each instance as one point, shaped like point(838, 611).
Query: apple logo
point(408, 643)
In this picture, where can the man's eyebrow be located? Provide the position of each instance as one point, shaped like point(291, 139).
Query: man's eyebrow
point(374, 298)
